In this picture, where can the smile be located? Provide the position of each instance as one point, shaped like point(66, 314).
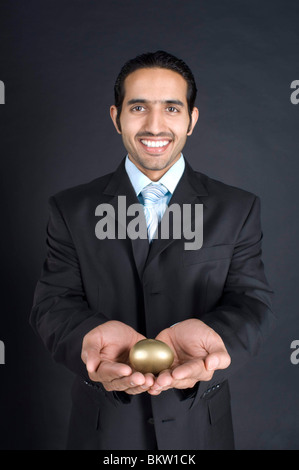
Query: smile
point(155, 143)
point(155, 147)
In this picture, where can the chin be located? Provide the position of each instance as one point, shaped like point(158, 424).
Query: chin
point(156, 162)
point(155, 166)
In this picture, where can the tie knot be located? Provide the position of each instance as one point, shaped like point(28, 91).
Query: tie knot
point(152, 193)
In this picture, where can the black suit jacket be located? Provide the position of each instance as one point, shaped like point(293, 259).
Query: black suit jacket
point(87, 281)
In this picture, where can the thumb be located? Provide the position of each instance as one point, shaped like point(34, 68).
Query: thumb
point(217, 360)
point(91, 358)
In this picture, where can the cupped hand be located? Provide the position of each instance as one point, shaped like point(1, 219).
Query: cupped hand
point(198, 352)
point(105, 352)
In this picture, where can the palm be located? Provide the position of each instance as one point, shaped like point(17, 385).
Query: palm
point(187, 340)
point(116, 341)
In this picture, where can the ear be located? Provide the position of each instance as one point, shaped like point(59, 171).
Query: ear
point(194, 118)
point(113, 115)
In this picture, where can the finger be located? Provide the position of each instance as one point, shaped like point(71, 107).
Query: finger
point(137, 390)
point(189, 370)
point(184, 383)
point(217, 360)
point(154, 392)
point(149, 380)
point(178, 384)
point(91, 358)
point(163, 380)
point(108, 371)
point(119, 385)
point(131, 382)
point(132, 385)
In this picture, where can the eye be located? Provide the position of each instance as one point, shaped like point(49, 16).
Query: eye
point(172, 109)
point(138, 108)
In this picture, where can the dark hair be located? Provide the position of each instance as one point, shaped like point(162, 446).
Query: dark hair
point(158, 59)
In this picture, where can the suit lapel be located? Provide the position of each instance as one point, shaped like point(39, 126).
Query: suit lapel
point(190, 190)
point(120, 185)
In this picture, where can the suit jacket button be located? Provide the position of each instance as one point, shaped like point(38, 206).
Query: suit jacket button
point(151, 421)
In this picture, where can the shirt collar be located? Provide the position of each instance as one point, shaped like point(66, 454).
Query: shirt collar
point(170, 179)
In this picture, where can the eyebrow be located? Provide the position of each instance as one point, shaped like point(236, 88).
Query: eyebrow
point(141, 100)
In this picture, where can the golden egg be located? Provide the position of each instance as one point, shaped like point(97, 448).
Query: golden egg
point(151, 355)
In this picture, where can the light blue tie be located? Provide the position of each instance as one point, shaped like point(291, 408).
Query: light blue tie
point(153, 207)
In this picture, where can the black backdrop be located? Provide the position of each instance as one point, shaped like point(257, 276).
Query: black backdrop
point(59, 60)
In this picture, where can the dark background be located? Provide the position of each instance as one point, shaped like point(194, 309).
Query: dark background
point(59, 60)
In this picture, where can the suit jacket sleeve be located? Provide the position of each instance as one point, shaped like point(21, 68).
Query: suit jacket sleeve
point(243, 317)
point(60, 314)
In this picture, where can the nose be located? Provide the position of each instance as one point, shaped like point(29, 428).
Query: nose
point(155, 122)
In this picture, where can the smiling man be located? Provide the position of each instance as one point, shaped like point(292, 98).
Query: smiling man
point(98, 297)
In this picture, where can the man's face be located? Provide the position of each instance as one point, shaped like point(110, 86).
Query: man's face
point(154, 119)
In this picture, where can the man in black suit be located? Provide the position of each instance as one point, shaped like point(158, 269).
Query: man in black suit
point(99, 294)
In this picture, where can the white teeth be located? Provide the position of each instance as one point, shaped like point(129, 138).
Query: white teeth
point(153, 143)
